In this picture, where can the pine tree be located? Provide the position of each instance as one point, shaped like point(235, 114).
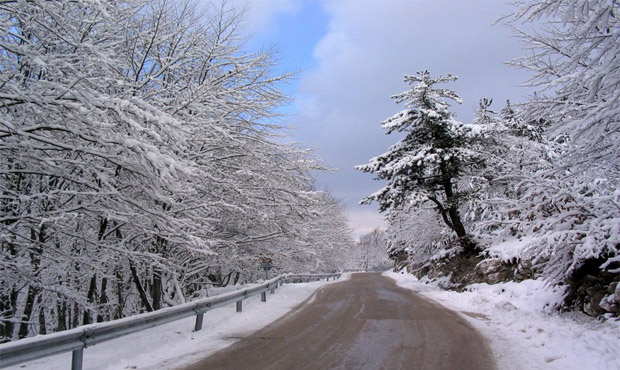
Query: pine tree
point(426, 164)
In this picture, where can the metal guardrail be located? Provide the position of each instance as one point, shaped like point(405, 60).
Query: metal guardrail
point(77, 339)
point(369, 269)
point(354, 270)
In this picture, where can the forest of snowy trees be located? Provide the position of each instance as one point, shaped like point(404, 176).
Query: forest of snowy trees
point(141, 162)
point(369, 252)
point(529, 191)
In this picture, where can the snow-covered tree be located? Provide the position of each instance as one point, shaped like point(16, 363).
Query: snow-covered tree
point(416, 236)
point(574, 59)
point(572, 209)
point(427, 163)
point(138, 159)
point(370, 251)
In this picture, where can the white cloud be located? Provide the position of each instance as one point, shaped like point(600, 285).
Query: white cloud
point(260, 15)
point(368, 47)
point(364, 221)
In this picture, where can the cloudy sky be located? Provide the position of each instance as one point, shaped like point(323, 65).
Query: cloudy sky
point(351, 57)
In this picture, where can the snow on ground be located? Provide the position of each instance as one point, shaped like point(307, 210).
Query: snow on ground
point(522, 328)
point(175, 344)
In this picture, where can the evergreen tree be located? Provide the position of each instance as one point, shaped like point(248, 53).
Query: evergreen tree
point(427, 163)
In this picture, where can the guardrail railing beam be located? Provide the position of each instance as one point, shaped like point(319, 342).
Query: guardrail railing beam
point(77, 339)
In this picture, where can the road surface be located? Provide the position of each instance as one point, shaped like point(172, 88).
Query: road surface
point(366, 322)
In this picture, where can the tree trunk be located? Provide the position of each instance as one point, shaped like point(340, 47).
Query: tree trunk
point(62, 316)
point(452, 211)
point(119, 294)
point(92, 293)
point(42, 322)
point(75, 322)
point(27, 315)
point(38, 237)
point(8, 307)
point(455, 219)
point(156, 290)
point(140, 287)
point(103, 299)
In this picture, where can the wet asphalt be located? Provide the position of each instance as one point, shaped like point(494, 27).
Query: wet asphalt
point(364, 323)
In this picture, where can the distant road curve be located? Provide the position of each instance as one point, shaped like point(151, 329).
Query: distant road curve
point(366, 322)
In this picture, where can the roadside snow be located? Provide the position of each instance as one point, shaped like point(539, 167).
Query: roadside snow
point(175, 345)
point(523, 330)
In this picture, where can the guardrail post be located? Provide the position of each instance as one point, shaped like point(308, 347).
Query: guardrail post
point(263, 297)
point(199, 317)
point(76, 359)
point(273, 290)
point(239, 306)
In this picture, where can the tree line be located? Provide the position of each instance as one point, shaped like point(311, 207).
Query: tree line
point(533, 186)
point(141, 162)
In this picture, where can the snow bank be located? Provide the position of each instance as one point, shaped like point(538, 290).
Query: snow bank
point(175, 344)
point(522, 328)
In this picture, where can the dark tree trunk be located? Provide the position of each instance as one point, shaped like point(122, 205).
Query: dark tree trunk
point(451, 212)
point(119, 294)
point(156, 290)
point(92, 293)
point(136, 279)
point(27, 315)
point(62, 316)
point(8, 306)
point(42, 322)
point(35, 260)
point(103, 299)
point(75, 322)
point(455, 219)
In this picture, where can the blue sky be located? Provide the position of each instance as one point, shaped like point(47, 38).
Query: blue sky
point(351, 56)
point(293, 30)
